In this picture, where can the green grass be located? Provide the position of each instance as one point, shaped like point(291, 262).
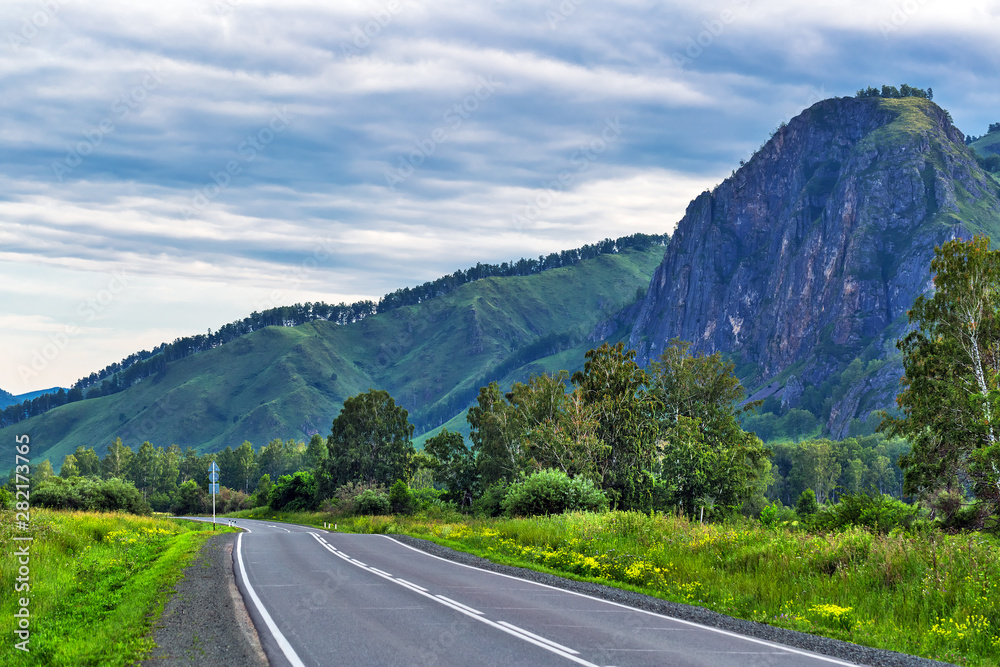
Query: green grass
point(932, 595)
point(97, 583)
point(289, 382)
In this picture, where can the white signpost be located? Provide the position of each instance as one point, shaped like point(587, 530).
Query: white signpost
point(213, 487)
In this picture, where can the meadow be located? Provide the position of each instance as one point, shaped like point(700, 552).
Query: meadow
point(97, 583)
point(929, 594)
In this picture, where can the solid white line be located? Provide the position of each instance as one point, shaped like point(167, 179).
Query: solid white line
point(459, 604)
point(720, 631)
point(541, 639)
point(547, 645)
point(286, 648)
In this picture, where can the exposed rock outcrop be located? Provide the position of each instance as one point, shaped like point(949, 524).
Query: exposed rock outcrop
point(810, 255)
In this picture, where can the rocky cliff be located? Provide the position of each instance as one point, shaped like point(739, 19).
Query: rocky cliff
point(809, 256)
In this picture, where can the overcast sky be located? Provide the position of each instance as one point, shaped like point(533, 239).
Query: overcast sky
point(166, 167)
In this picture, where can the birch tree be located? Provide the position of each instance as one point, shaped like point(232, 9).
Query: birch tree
point(950, 399)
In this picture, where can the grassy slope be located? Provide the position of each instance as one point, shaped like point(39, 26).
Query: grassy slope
point(988, 144)
point(98, 583)
point(287, 382)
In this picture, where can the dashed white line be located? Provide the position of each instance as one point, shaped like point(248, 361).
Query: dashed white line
point(780, 647)
point(512, 630)
point(541, 639)
point(460, 605)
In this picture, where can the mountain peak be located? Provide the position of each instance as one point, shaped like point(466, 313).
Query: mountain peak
point(809, 256)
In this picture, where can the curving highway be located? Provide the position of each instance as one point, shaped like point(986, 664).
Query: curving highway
point(320, 598)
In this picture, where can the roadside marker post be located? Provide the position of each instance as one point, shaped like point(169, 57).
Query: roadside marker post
point(213, 487)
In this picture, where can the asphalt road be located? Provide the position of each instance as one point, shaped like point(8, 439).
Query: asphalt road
point(320, 598)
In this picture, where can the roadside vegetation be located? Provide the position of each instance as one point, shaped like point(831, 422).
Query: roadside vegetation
point(97, 583)
point(654, 478)
point(919, 591)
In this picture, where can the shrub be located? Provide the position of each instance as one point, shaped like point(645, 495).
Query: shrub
point(553, 492)
point(262, 494)
point(294, 492)
point(345, 498)
point(400, 498)
point(6, 499)
point(90, 493)
point(879, 513)
point(190, 499)
point(490, 504)
point(371, 501)
point(807, 504)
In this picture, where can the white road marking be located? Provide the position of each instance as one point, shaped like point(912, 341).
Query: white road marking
point(459, 604)
point(550, 646)
point(541, 639)
point(720, 631)
point(283, 644)
point(410, 584)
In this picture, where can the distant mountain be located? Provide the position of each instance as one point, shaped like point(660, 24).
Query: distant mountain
point(807, 259)
point(290, 382)
point(6, 398)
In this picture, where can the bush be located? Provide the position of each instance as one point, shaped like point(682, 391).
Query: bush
point(345, 498)
point(372, 502)
point(294, 492)
point(490, 504)
point(262, 494)
point(807, 504)
point(6, 499)
point(191, 499)
point(879, 513)
point(90, 493)
point(553, 492)
point(400, 498)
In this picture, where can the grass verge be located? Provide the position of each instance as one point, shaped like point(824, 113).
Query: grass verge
point(933, 595)
point(97, 583)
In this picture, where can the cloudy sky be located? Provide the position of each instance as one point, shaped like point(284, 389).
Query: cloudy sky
point(167, 167)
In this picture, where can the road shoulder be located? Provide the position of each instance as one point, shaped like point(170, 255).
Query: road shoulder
point(205, 621)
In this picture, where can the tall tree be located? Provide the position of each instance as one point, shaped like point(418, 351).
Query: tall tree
point(454, 465)
point(69, 467)
point(117, 460)
point(144, 467)
point(950, 399)
point(613, 385)
point(87, 462)
point(497, 436)
point(704, 451)
point(244, 466)
point(370, 442)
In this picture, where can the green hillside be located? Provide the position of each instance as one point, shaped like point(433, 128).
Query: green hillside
point(988, 144)
point(290, 382)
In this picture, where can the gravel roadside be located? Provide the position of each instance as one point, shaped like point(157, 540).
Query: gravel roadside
point(832, 647)
point(205, 622)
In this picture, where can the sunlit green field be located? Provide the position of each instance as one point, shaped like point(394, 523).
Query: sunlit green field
point(97, 583)
point(933, 595)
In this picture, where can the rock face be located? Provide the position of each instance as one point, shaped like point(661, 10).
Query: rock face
point(810, 255)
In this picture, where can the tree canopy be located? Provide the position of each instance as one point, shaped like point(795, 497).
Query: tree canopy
point(370, 442)
point(950, 399)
